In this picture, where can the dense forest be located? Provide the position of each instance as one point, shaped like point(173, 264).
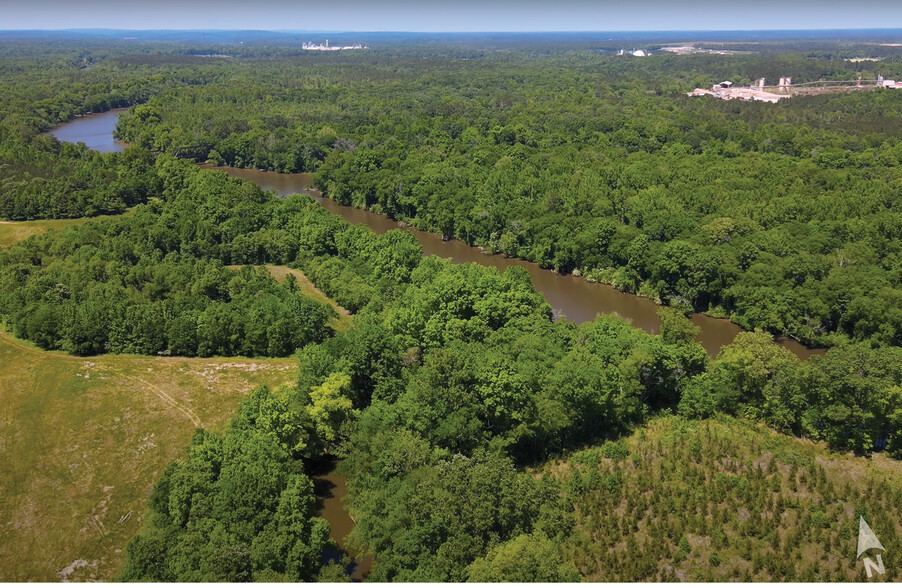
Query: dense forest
point(781, 217)
point(481, 438)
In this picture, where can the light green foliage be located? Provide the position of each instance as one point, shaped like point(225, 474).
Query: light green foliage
point(735, 501)
point(526, 558)
point(330, 407)
point(676, 328)
point(453, 379)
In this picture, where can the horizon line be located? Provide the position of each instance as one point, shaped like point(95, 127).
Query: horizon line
point(458, 32)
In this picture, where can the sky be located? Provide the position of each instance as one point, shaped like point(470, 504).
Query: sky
point(452, 15)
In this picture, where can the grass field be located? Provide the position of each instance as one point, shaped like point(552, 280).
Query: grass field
point(83, 440)
point(14, 231)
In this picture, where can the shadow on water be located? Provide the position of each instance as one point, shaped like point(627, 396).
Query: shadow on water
point(330, 488)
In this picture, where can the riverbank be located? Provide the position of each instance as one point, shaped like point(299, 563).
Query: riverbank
point(572, 296)
point(578, 299)
point(331, 488)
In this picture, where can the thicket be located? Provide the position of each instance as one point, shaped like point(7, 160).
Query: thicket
point(47, 179)
point(46, 85)
point(239, 507)
point(720, 500)
point(155, 282)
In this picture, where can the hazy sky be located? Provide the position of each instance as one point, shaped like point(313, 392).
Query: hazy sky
point(451, 15)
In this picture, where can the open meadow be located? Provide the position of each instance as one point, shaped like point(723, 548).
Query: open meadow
point(84, 439)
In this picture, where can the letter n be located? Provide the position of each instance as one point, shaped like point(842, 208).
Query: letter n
point(870, 566)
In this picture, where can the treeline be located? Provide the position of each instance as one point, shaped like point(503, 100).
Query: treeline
point(46, 84)
point(238, 508)
point(155, 282)
point(42, 178)
point(780, 217)
point(450, 380)
point(849, 398)
point(454, 384)
point(47, 179)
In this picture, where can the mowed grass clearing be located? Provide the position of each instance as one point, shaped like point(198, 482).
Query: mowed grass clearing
point(14, 231)
point(83, 440)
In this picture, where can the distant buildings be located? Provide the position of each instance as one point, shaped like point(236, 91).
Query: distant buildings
point(725, 91)
point(691, 50)
point(326, 47)
point(635, 53)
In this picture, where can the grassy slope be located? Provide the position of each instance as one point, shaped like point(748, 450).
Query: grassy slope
point(14, 231)
point(773, 507)
point(83, 440)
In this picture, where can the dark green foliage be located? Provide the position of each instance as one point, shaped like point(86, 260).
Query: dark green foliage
point(461, 378)
point(780, 216)
point(237, 508)
point(88, 292)
point(454, 380)
point(155, 282)
point(47, 179)
point(44, 85)
point(849, 397)
point(438, 519)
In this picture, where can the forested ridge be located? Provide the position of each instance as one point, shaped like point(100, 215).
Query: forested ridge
point(481, 438)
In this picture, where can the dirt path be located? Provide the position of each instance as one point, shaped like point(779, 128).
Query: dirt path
point(11, 341)
point(169, 399)
point(279, 272)
point(83, 440)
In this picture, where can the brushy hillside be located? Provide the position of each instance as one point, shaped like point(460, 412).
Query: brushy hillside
point(723, 500)
point(83, 440)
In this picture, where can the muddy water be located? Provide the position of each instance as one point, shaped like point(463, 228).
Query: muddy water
point(330, 489)
point(94, 130)
point(579, 300)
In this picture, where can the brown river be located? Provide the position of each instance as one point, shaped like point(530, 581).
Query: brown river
point(580, 301)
